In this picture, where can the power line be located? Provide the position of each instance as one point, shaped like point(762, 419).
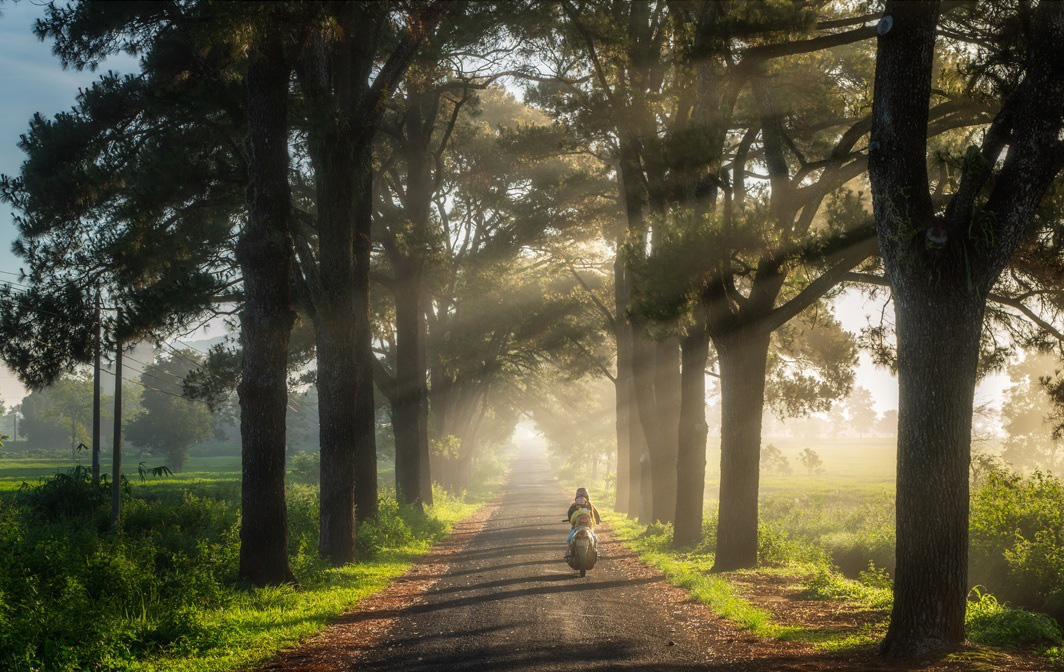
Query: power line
point(306, 411)
point(177, 377)
point(16, 286)
point(156, 389)
point(35, 308)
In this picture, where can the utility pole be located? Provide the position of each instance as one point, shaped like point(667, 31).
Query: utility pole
point(96, 398)
point(116, 455)
point(14, 435)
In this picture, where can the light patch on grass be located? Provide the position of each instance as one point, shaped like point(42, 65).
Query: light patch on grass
point(691, 572)
point(827, 584)
point(833, 639)
point(257, 623)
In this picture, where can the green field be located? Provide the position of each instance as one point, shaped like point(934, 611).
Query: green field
point(14, 470)
point(834, 529)
point(162, 594)
point(851, 465)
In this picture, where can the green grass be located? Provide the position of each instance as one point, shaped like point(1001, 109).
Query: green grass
point(690, 570)
point(162, 595)
point(988, 621)
point(257, 623)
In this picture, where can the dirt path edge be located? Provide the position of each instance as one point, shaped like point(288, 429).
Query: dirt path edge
point(339, 644)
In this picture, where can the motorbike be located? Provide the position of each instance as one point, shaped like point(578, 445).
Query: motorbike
point(583, 553)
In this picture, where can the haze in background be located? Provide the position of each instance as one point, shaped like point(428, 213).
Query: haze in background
point(27, 65)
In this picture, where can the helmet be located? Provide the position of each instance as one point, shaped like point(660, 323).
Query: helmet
point(582, 492)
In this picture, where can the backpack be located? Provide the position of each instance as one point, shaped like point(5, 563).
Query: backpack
point(582, 518)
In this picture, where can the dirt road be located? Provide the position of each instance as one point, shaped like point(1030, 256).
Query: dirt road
point(509, 601)
point(499, 596)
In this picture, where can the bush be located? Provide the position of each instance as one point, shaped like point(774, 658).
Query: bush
point(401, 526)
point(1017, 539)
point(988, 621)
point(307, 466)
point(875, 577)
point(75, 596)
point(777, 548)
point(67, 495)
point(850, 533)
point(828, 584)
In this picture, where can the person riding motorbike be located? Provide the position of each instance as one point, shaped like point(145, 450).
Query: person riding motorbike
point(581, 508)
point(581, 493)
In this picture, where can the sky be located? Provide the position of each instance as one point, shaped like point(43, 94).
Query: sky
point(33, 80)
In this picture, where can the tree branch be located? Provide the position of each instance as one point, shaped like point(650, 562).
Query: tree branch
point(1001, 299)
point(815, 290)
point(384, 379)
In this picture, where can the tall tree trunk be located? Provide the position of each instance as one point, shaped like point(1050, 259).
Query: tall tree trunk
point(365, 449)
point(425, 480)
point(265, 255)
point(622, 385)
point(655, 367)
point(409, 389)
point(644, 367)
point(642, 425)
point(663, 450)
point(691, 456)
point(411, 360)
point(935, 400)
point(941, 268)
point(336, 76)
point(338, 371)
point(743, 358)
point(638, 487)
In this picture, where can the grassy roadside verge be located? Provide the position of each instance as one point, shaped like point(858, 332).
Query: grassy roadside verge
point(257, 623)
point(162, 594)
point(691, 572)
point(989, 622)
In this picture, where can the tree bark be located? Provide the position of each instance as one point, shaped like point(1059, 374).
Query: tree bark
point(413, 480)
point(365, 448)
point(693, 430)
point(936, 390)
point(664, 448)
point(336, 75)
point(639, 390)
point(743, 359)
point(265, 255)
point(338, 371)
point(645, 408)
point(655, 366)
point(638, 487)
point(410, 394)
point(622, 387)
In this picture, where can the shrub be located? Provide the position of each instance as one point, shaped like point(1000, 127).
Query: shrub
point(850, 533)
point(777, 548)
point(1017, 539)
point(66, 495)
point(828, 584)
point(988, 621)
point(307, 466)
point(75, 596)
point(875, 577)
